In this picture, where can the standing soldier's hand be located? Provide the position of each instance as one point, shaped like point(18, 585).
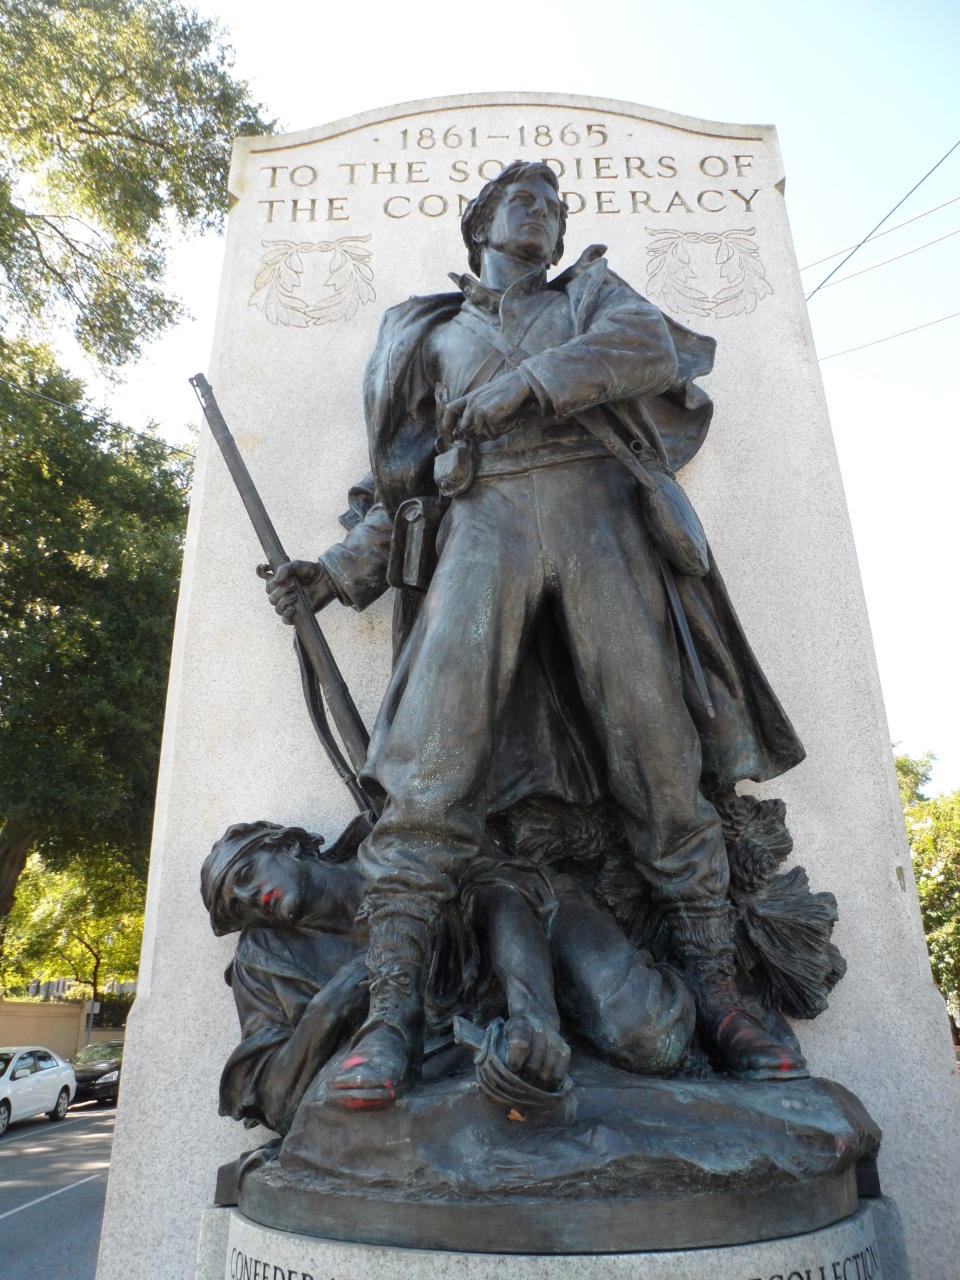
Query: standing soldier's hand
point(282, 586)
point(488, 411)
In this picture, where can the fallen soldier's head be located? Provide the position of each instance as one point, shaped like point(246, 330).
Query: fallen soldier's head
point(258, 873)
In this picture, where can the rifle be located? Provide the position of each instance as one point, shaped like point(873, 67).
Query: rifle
point(319, 673)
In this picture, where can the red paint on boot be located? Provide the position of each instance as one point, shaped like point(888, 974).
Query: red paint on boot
point(726, 1022)
point(363, 1104)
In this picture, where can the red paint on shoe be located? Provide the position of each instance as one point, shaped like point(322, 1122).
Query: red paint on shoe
point(726, 1022)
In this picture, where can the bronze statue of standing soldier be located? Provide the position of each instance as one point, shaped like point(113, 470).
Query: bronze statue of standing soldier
point(560, 631)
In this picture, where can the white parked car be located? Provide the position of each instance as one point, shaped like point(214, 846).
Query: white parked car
point(33, 1081)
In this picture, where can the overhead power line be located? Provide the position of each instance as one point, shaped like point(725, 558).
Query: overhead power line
point(895, 258)
point(887, 215)
point(38, 395)
point(880, 234)
point(889, 338)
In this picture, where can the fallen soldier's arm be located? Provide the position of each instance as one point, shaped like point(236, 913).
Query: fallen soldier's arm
point(288, 1034)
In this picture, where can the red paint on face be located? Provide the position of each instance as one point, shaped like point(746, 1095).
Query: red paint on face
point(270, 896)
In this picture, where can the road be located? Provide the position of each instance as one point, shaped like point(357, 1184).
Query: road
point(52, 1183)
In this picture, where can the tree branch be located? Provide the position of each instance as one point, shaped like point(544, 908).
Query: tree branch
point(91, 131)
point(78, 300)
point(97, 955)
point(98, 92)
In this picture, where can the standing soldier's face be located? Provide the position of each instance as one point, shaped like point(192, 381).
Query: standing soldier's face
point(526, 222)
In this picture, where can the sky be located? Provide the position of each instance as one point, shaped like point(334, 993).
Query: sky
point(865, 100)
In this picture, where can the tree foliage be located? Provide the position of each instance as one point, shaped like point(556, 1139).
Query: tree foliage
point(116, 118)
point(913, 774)
point(83, 921)
point(933, 830)
point(91, 527)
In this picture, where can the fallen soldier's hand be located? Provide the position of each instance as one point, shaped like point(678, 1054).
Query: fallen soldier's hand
point(536, 1051)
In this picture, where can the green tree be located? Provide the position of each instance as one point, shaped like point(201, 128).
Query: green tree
point(91, 527)
point(913, 774)
point(933, 830)
point(84, 921)
point(116, 119)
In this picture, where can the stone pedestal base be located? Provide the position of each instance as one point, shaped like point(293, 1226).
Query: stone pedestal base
point(866, 1246)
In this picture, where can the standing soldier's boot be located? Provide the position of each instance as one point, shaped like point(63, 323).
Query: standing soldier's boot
point(385, 1054)
point(702, 945)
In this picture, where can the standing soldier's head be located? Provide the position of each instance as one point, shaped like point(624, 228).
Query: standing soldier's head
point(520, 214)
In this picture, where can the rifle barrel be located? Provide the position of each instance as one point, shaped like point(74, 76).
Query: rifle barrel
point(343, 710)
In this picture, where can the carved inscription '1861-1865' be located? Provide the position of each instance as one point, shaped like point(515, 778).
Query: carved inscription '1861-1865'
point(600, 167)
point(430, 167)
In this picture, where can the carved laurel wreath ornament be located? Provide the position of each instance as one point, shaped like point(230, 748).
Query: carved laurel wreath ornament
point(348, 282)
point(682, 286)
